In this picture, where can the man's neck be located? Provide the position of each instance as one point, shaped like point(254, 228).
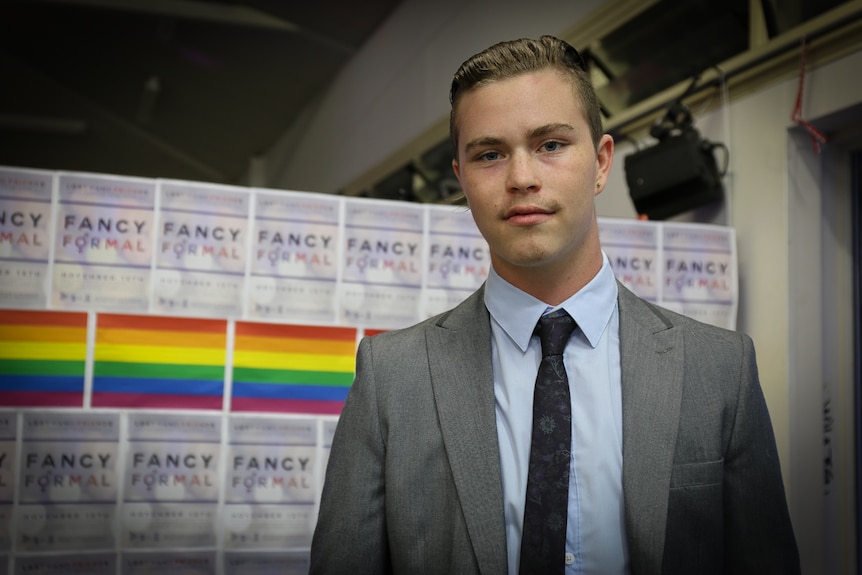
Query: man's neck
point(552, 283)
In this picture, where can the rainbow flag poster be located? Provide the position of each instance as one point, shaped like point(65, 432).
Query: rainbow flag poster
point(42, 358)
point(152, 362)
point(292, 368)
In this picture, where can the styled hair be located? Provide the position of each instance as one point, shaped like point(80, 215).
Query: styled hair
point(513, 58)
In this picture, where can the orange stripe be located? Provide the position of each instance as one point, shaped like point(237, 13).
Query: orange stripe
point(51, 318)
point(43, 333)
point(294, 345)
point(143, 322)
point(295, 331)
point(160, 338)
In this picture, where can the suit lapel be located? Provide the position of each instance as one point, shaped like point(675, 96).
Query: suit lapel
point(651, 353)
point(459, 352)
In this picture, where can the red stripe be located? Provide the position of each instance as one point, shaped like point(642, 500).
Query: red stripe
point(155, 323)
point(295, 331)
point(149, 401)
point(46, 318)
point(318, 407)
point(41, 399)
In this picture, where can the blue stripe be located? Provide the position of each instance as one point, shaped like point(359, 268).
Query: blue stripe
point(276, 391)
point(157, 386)
point(41, 383)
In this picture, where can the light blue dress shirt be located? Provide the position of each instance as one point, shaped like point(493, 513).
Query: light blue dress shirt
point(595, 536)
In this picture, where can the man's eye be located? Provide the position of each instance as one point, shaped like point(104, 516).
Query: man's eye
point(490, 156)
point(552, 146)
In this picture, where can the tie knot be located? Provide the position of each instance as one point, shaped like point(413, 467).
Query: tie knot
point(554, 330)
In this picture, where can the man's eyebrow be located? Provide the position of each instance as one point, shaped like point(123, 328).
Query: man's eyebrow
point(482, 142)
point(551, 129)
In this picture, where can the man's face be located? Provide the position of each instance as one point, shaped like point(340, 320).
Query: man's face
point(529, 169)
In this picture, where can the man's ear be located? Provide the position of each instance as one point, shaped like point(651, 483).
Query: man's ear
point(604, 161)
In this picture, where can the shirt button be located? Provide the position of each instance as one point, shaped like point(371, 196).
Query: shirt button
point(570, 558)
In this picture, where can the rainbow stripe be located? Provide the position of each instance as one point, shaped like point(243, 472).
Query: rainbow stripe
point(42, 358)
point(290, 368)
point(159, 362)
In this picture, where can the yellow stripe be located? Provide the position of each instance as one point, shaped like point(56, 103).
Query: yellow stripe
point(43, 334)
point(48, 351)
point(158, 354)
point(303, 362)
point(295, 345)
point(160, 338)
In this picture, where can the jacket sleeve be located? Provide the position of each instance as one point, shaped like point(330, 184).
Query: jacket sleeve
point(350, 535)
point(757, 530)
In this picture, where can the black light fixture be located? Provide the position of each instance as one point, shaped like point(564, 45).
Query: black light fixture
point(677, 174)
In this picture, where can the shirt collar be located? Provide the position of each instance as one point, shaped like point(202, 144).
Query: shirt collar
point(517, 312)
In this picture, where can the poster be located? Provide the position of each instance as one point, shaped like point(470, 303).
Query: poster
point(633, 251)
point(171, 481)
point(699, 265)
point(159, 362)
point(329, 424)
point(103, 243)
point(266, 563)
point(201, 250)
point(8, 464)
point(68, 564)
point(168, 563)
point(25, 231)
point(458, 259)
point(271, 485)
point(292, 368)
point(42, 358)
point(382, 263)
point(294, 263)
point(67, 481)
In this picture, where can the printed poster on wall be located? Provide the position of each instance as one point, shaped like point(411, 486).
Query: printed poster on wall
point(171, 481)
point(266, 563)
point(632, 248)
point(700, 272)
point(271, 482)
point(381, 263)
point(25, 237)
point(67, 481)
point(294, 262)
point(329, 424)
point(168, 563)
point(8, 458)
point(458, 259)
point(103, 243)
point(68, 564)
point(201, 250)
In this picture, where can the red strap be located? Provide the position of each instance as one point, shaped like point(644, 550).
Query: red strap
point(817, 136)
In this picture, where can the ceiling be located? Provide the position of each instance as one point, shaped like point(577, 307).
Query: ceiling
point(189, 89)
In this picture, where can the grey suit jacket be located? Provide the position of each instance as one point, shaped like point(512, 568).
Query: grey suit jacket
point(413, 480)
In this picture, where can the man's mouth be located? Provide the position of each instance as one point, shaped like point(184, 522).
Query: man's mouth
point(527, 215)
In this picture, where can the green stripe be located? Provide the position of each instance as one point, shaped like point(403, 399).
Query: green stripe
point(40, 367)
point(157, 370)
point(252, 375)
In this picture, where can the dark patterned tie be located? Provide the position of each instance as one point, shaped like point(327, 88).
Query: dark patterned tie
point(543, 543)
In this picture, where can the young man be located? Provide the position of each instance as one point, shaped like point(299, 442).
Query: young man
point(671, 465)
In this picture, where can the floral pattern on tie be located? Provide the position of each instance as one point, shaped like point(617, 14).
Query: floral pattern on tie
point(543, 543)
